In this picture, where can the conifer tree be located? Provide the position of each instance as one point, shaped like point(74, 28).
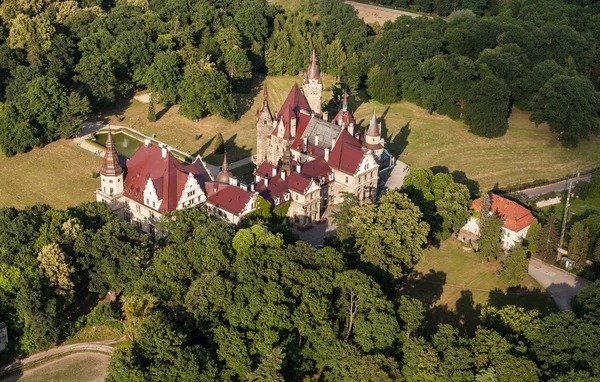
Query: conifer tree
point(533, 237)
point(489, 238)
point(151, 111)
point(549, 238)
point(514, 267)
point(579, 244)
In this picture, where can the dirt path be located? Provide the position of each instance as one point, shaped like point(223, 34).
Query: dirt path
point(377, 14)
point(77, 367)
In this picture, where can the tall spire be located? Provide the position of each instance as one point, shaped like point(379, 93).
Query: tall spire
point(313, 68)
point(373, 130)
point(111, 166)
point(224, 175)
point(345, 103)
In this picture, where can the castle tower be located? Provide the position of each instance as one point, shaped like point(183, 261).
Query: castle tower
point(313, 85)
point(373, 136)
point(286, 160)
point(111, 173)
point(264, 125)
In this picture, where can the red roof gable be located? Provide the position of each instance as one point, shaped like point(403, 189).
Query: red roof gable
point(167, 174)
point(347, 153)
point(516, 216)
point(227, 197)
point(290, 109)
point(316, 168)
point(344, 117)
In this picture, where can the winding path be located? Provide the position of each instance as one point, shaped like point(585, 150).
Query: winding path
point(100, 346)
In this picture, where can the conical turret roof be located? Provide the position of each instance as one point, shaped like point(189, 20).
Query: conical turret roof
point(373, 130)
point(111, 166)
point(313, 73)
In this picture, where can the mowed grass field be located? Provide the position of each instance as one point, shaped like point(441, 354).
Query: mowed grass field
point(59, 174)
point(454, 284)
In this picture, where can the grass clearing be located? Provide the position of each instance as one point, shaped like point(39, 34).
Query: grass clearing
point(59, 174)
point(454, 285)
point(94, 333)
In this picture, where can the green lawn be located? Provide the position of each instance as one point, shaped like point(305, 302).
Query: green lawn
point(454, 285)
point(578, 207)
point(76, 367)
point(59, 174)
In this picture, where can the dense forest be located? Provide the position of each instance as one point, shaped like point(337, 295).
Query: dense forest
point(60, 60)
point(214, 302)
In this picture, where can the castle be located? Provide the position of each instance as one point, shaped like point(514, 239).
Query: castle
point(153, 182)
point(306, 160)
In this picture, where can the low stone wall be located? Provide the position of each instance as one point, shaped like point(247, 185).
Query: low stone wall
point(548, 202)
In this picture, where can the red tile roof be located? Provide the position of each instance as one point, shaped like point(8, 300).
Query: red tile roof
point(278, 186)
point(316, 168)
point(167, 174)
point(347, 153)
point(291, 107)
point(344, 117)
point(227, 197)
point(516, 216)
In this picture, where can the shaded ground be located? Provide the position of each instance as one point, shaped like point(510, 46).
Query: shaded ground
point(76, 367)
point(454, 285)
point(561, 285)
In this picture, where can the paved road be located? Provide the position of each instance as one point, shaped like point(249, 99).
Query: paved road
point(561, 285)
point(554, 187)
point(376, 7)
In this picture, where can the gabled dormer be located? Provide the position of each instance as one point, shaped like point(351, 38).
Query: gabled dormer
point(151, 197)
point(192, 194)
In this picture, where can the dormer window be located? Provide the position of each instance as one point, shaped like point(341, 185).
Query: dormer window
point(322, 180)
point(331, 176)
point(286, 197)
point(276, 201)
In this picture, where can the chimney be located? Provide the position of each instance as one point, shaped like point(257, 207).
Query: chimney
point(293, 127)
point(351, 129)
point(164, 151)
point(266, 180)
point(317, 140)
point(332, 143)
point(274, 171)
point(327, 154)
point(147, 142)
point(299, 168)
point(326, 115)
point(252, 187)
point(257, 178)
point(305, 143)
point(283, 175)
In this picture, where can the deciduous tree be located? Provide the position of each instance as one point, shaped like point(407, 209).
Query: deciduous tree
point(514, 267)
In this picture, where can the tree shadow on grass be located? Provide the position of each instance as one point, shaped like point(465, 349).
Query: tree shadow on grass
point(427, 287)
point(397, 144)
point(234, 152)
point(163, 112)
point(245, 101)
point(103, 114)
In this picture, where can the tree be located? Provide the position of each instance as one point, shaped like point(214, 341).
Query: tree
point(487, 107)
point(163, 77)
point(587, 301)
point(151, 111)
point(59, 272)
point(390, 233)
point(269, 368)
point(594, 187)
point(342, 218)
point(74, 114)
point(532, 239)
point(382, 85)
point(514, 267)
point(579, 243)
point(238, 66)
point(411, 312)
point(489, 237)
point(570, 106)
point(549, 238)
point(206, 90)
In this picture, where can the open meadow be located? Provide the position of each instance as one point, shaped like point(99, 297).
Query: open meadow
point(76, 367)
point(59, 174)
point(454, 285)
